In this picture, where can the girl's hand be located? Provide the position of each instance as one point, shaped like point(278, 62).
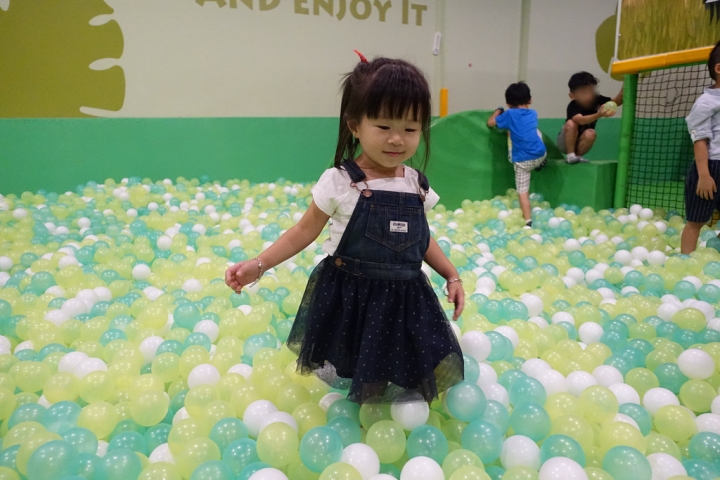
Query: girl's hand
point(456, 295)
point(241, 274)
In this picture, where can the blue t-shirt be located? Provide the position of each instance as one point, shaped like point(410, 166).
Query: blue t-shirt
point(523, 124)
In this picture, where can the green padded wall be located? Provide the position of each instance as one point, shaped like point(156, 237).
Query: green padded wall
point(470, 160)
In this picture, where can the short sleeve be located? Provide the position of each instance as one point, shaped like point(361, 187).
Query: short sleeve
point(699, 121)
point(431, 199)
point(327, 191)
point(602, 100)
point(573, 109)
point(503, 120)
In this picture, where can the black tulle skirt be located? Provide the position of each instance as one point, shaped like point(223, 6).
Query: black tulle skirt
point(383, 340)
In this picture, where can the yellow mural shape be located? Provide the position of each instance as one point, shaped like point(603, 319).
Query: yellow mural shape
point(650, 27)
point(605, 44)
point(46, 48)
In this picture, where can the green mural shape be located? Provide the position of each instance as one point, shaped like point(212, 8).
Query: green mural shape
point(605, 44)
point(46, 48)
point(650, 27)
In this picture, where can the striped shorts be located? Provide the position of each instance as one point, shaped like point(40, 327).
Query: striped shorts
point(698, 209)
point(522, 173)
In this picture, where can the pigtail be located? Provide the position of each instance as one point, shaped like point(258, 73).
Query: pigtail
point(347, 143)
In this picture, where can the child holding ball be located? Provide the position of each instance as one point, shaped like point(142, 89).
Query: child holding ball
point(586, 107)
point(370, 320)
point(528, 149)
point(703, 123)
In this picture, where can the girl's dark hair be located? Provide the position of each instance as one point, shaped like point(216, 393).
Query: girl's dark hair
point(384, 87)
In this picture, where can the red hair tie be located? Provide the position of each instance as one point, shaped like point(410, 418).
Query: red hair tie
point(362, 57)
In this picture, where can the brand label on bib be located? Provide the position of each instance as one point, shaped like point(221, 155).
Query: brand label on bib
point(399, 227)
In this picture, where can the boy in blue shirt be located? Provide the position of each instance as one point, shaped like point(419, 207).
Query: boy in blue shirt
point(528, 149)
point(703, 123)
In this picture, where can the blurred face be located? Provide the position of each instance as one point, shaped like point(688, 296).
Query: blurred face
point(387, 142)
point(584, 95)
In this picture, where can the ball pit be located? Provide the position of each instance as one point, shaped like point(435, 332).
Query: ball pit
point(592, 349)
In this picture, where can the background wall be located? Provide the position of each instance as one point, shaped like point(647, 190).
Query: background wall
point(173, 76)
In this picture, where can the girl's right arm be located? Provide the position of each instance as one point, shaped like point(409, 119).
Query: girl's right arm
point(290, 243)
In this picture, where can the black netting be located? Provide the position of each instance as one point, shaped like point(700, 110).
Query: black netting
point(661, 150)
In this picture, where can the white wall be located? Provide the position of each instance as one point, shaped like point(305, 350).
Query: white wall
point(562, 42)
point(182, 59)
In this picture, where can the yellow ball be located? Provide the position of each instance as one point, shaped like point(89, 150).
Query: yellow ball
point(149, 407)
point(7, 473)
point(21, 432)
point(185, 431)
point(62, 386)
point(576, 427)
point(96, 387)
point(277, 444)
point(160, 471)
point(194, 453)
point(98, 417)
point(309, 416)
point(598, 404)
point(469, 473)
point(613, 434)
point(30, 376)
point(675, 422)
point(166, 366)
point(28, 447)
point(199, 397)
point(7, 403)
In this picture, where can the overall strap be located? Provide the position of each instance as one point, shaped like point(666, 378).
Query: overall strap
point(355, 172)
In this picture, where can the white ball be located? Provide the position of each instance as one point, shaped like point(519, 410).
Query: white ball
point(636, 209)
point(553, 381)
point(533, 303)
point(563, 317)
point(578, 381)
point(593, 275)
point(708, 422)
point(619, 417)
point(625, 393)
point(510, 334)
point(57, 317)
point(141, 272)
point(498, 393)
point(534, 367)
point(410, 415)
point(656, 398)
point(363, 458)
point(520, 451)
point(180, 415)
point(696, 364)
point(422, 468)
point(561, 468)
point(268, 474)
point(661, 226)
point(667, 310)
point(656, 257)
point(241, 369)
point(571, 245)
point(5, 343)
point(203, 374)
point(70, 361)
point(539, 321)
point(590, 332)
point(26, 345)
point(209, 328)
point(476, 344)
point(74, 307)
point(554, 222)
point(103, 293)
point(640, 253)
point(607, 375)
point(569, 281)
point(162, 454)
point(576, 274)
point(88, 366)
point(646, 214)
point(148, 347)
point(715, 405)
point(192, 285)
point(102, 448)
point(255, 413)
point(665, 466)
point(5, 263)
point(278, 417)
point(383, 476)
point(487, 376)
point(329, 399)
point(623, 256)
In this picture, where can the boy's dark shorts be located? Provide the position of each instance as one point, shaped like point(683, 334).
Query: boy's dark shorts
point(698, 209)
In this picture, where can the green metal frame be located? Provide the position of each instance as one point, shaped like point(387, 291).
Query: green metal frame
point(628, 124)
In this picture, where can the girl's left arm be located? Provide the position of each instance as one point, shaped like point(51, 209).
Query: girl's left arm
point(441, 264)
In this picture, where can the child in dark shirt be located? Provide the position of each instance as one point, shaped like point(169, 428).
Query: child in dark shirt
point(585, 108)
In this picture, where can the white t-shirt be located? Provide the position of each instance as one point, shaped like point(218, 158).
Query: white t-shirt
point(335, 197)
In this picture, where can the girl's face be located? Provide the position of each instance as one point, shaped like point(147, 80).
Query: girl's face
point(388, 142)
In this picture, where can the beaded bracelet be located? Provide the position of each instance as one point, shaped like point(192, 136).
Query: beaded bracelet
point(260, 272)
point(452, 280)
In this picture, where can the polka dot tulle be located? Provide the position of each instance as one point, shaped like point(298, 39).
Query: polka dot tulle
point(383, 340)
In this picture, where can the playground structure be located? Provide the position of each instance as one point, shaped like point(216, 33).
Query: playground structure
point(469, 160)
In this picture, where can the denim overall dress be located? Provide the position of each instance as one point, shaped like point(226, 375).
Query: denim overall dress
point(369, 320)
